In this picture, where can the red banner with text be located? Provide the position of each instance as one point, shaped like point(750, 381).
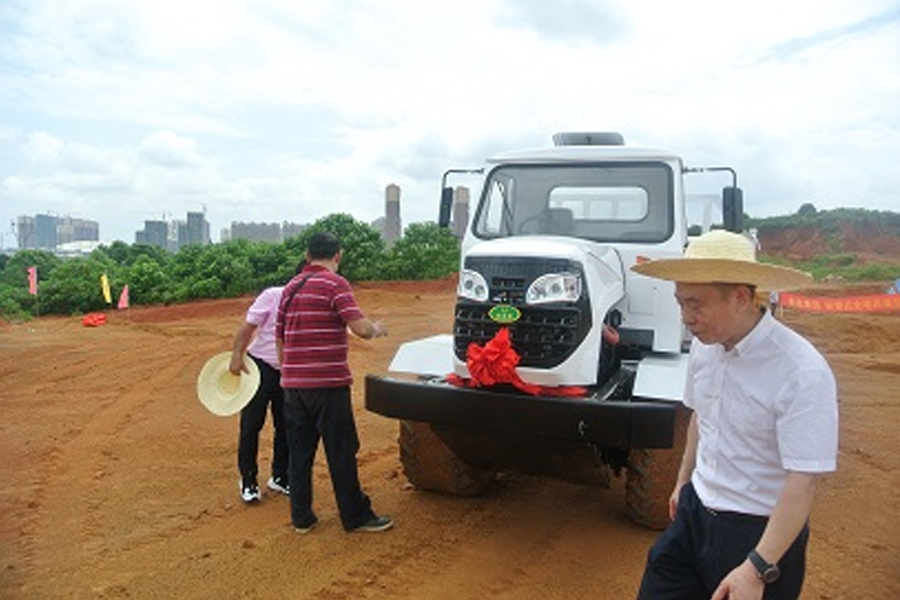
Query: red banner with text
point(874, 303)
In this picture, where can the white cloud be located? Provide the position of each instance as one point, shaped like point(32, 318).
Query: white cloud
point(169, 149)
point(275, 110)
point(42, 147)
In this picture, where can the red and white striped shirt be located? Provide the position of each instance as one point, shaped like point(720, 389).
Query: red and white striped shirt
point(313, 329)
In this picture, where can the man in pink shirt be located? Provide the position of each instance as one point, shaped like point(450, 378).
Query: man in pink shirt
point(260, 320)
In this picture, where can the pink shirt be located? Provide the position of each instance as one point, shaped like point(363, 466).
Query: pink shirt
point(263, 313)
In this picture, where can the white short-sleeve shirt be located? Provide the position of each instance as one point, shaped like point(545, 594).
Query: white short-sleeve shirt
point(766, 407)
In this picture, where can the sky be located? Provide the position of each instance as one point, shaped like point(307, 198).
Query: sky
point(278, 110)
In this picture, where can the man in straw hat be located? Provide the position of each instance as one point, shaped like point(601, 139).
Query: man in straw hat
point(764, 427)
point(317, 306)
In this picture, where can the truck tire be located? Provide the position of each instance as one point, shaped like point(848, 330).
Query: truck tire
point(430, 465)
point(651, 479)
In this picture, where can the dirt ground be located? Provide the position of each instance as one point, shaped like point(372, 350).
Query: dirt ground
point(117, 483)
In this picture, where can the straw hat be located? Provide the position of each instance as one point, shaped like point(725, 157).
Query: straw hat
point(723, 257)
point(223, 393)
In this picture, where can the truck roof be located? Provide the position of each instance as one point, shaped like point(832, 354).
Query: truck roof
point(584, 154)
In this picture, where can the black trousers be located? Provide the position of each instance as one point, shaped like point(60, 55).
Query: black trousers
point(253, 417)
point(701, 547)
point(326, 414)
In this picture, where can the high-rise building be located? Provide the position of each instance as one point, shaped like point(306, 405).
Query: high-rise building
point(460, 212)
point(289, 230)
point(45, 232)
point(76, 230)
point(196, 230)
point(256, 232)
point(48, 232)
point(392, 225)
point(154, 233)
point(175, 233)
point(25, 232)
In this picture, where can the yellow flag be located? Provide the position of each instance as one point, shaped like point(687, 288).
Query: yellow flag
point(104, 283)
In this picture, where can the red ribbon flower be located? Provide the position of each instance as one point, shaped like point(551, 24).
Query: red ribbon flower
point(495, 363)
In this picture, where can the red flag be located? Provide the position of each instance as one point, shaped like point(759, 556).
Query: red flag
point(32, 281)
point(123, 298)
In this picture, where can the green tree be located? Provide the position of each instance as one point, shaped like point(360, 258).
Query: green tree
point(16, 304)
point(363, 249)
point(426, 251)
point(209, 271)
point(148, 282)
point(75, 287)
point(15, 273)
point(807, 210)
point(124, 255)
point(272, 264)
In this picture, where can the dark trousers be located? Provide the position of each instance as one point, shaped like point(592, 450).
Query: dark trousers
point(326, 414)
point(253, 417)
point(701, 547)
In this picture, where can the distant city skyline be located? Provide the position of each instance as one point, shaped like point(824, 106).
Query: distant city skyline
point(50, 231)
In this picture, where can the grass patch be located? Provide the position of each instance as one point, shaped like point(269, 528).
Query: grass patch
point(842, 265)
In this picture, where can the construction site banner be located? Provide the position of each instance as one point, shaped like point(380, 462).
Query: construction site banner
point(874, 303)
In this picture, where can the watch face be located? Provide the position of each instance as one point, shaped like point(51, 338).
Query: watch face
point(767, 572)
point(770, 574)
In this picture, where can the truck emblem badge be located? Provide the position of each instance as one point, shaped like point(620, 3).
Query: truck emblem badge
point(504, 313)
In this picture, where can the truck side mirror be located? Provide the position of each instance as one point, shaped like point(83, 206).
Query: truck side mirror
point(446, 207)
point(733, 209)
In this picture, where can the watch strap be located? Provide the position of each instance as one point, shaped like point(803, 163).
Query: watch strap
point(767, 571)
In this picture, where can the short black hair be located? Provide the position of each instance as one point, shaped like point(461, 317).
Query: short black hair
point(322, 246)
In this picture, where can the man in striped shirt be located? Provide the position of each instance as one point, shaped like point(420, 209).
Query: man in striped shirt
point(317, 306)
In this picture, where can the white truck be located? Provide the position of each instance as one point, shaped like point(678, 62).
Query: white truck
point(546, 257)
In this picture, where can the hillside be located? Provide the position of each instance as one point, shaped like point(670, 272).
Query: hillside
point(851, 244)
point(866, 240)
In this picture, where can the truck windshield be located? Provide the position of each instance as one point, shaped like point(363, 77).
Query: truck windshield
point(604, 202)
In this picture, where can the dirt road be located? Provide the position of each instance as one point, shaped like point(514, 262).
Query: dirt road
point(117, 483)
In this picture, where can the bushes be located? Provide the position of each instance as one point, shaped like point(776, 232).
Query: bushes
point(229, 269)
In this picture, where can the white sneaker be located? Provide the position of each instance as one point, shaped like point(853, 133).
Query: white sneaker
point(279, 484)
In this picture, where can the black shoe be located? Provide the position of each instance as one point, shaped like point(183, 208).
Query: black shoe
point(250, 491)
point(304, 529)
point(375, 524)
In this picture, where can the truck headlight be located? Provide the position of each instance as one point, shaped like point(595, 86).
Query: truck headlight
point(554, 287)
point(472, 286)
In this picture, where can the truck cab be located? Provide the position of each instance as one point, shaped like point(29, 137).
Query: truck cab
point(545, 265)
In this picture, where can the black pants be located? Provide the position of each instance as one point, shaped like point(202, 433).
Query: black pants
point(326, 414)
point(701, 547)
point(253, 417)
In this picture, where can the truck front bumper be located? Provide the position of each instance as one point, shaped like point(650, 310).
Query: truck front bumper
point(636, 423)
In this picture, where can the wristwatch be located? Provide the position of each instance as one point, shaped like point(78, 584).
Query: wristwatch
point(767, 571)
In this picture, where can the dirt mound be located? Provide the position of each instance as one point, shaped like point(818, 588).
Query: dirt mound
point(870, 242)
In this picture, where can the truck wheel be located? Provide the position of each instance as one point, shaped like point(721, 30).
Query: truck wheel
point(430, 465)
point(651, 478)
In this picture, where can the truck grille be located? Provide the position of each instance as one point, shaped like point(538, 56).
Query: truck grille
point(544, 336)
